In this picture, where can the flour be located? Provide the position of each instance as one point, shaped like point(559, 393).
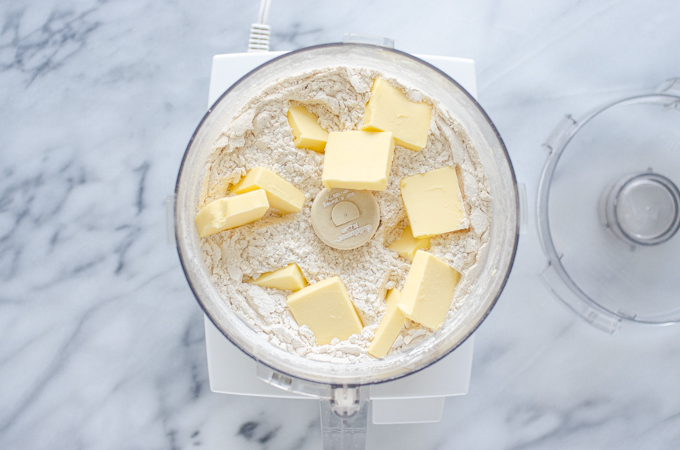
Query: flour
point(260, 136)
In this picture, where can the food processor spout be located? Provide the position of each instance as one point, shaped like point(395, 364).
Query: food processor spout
point(344, 408)
point(344, 418)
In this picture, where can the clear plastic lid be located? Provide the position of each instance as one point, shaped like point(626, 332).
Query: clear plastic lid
point(503, 236)
point(609, 211)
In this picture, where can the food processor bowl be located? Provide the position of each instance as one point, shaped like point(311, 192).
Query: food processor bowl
point(503, 231)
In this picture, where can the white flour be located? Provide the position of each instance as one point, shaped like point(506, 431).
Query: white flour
point(260, 136)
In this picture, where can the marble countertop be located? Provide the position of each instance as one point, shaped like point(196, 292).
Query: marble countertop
point(102, 340)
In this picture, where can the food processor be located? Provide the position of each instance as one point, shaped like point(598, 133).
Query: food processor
point(344, 389)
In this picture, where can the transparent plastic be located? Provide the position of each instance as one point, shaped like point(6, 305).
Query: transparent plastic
point(344, 418)
point(356, 38)
point(608, 211)
point(503, 231)
point(523, 208)
point(642, 209)
point(170, 219)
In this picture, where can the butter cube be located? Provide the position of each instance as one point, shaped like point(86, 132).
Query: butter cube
point(289, 278)
point(358, 160)
point(281, 195)
point(389, 328)
point(307, 133)
point(428, 290)
point(231, 212)
point(390, 110)
point(325, 307)
point(407, 245)
point(433, 202)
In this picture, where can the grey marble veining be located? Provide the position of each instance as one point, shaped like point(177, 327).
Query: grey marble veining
point(102, 341)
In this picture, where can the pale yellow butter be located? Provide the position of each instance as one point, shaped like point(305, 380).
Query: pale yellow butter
point(389, 328)
point(307, 133)
point(289, 278)
point(428, 290)
point(281, 195)
point(433, 202)
point(407, 245)
point(390, 110)
point(358, 160)
point(325, 307)
point(231, 212)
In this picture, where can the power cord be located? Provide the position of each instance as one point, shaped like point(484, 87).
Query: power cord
point(259, 31)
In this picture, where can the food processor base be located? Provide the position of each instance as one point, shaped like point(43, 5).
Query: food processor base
point(417, 398)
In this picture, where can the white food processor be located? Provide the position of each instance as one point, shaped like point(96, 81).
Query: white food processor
point(608, 211)
point(406, 387)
